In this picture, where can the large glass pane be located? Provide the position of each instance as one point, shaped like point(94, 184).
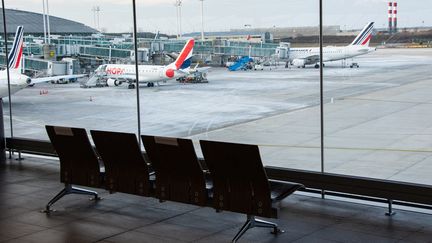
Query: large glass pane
point(80, 37)
point(272, 106)
point(378, 111)
point(4, 89)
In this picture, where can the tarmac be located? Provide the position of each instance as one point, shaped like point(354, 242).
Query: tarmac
point(377, 119)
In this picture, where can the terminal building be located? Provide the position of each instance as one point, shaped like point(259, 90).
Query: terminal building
point(285, 32)
point(33, 23)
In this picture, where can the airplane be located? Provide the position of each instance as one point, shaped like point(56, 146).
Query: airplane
point(18, 80)
point(300, 57)
point(117, 74)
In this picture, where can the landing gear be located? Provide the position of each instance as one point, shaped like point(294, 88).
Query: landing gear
point(150, 84)
point(317, 65)
point(354, 65)
point(131, 86)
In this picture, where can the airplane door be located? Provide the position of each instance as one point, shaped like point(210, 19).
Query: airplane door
point(161, 73)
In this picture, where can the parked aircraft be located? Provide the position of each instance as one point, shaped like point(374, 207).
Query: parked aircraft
point(300, 57)
point(18, 80)
point(117, 74)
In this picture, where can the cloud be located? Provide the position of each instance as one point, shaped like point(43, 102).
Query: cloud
point(107, 3)
point(116, 15)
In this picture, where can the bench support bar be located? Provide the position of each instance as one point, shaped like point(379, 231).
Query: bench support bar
point(252, 222)
point(69, 189)
point(390, 208)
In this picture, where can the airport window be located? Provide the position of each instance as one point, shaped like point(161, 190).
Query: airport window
point(377, 111)
point(253, 79)
point(68, 99)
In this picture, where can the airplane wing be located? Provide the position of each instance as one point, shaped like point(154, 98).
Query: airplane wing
point(54, 78)
point(202, 69)
point(131, 78)
point(172, 55)
point(197, 69)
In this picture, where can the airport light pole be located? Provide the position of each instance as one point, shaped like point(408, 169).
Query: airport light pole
point(94, 15)
point(98, 17)
point(44, 21)
point(96, 11)
point(180, 18)
point(202, 20)
point(178, 5)
point(48, 23)
point(177, 18)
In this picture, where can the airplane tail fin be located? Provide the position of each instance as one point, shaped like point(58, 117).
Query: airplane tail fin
point(184, 59)
point(364, 37)
point(16, 53)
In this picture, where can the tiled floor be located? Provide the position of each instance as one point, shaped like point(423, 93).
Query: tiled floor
point(26, 186)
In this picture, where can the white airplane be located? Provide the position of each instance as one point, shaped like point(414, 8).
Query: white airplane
point(117, 74)
point(18, 80)
point(300, 57)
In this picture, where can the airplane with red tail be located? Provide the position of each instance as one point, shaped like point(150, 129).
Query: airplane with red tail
point(117, 74)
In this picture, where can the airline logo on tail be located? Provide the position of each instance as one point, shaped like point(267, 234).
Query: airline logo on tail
point(365, 35)
point(15, 55)
point(184, 60)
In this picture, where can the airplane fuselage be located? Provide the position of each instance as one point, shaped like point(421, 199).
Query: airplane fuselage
point(17, 82)
point(146, 73)
point(117, 74)
point(332, 53)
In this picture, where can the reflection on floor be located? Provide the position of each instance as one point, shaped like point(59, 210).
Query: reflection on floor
point(26, 186)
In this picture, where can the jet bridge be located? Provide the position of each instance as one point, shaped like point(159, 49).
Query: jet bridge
point(283, 50)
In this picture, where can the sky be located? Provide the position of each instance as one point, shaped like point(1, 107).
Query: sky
point(220, 15)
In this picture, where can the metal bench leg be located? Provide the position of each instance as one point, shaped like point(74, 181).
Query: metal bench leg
point(10, 153)
point(252, 222)
point(243, 229)
point(76, 190)
point(19, 156)
point(69, 189)
point(57, 197)
point(390, 208)
point(266, 224)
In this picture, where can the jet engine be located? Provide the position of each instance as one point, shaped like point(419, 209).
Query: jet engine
point(299, 62)
point(113, 82)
